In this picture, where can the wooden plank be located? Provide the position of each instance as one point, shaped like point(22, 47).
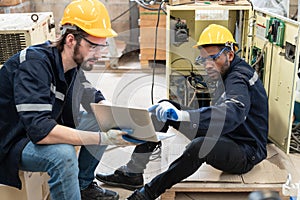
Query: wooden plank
point(148, 54)
point(170, 194)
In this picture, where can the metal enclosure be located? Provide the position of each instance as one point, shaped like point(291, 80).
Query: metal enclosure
point(184, 26)
point(19, 30)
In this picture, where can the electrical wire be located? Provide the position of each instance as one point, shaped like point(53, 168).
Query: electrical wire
point(295, 139)
point(123, 13)
point(185, 98)
point(196, 90)
point(295, 16)
point(177, 59)
point(188, 83)
point(261, 54)
point(252, 8)
point(279, 2)
point(146, 6)
point(155, 51)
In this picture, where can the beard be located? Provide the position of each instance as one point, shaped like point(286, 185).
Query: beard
point(217, 75)
point(225, 67)
point(86, 65)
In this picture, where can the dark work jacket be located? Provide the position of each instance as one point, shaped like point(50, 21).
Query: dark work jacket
point(35, 96)
point(239, 111)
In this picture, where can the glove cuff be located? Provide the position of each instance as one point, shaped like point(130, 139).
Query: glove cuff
point(185, 116)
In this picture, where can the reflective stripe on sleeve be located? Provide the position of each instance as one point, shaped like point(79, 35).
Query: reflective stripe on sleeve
point(34, 107)
point(23, 55)
point(234, 101)
point(253, 79)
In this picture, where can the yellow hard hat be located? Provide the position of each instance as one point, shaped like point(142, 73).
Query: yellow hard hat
point(216, 35)
point(89, 15)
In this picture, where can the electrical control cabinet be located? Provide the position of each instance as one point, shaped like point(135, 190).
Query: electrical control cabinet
point(275, 55)
point(270, 43)
point(184, 26)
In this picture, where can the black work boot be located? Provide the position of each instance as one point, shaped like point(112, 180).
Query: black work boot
point(94, 192)
point(137, 195)
point(121, 178)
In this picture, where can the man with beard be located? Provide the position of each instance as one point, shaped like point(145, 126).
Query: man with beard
point(41, 89)
point(230, 135)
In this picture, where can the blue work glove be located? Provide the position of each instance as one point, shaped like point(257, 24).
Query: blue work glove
point(166, 111)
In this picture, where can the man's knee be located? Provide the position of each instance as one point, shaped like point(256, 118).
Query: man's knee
point(64, 157)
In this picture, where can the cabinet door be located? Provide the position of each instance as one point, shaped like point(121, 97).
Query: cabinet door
point(278, 65)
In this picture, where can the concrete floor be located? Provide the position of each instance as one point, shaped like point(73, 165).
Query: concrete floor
point(131, 86)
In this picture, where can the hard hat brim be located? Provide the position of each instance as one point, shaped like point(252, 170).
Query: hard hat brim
point(101, 32)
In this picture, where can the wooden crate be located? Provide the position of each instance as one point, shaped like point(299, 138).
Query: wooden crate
point(148, 21)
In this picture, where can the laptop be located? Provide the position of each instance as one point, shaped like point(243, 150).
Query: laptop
point(137, 119)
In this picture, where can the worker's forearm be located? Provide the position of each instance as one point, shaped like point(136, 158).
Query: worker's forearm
point(66, 135)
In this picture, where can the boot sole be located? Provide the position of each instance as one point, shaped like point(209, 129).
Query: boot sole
point(123, 185)
point(104, 198)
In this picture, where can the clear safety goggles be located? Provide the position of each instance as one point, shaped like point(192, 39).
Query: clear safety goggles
point(202, 60)
point(95, 46)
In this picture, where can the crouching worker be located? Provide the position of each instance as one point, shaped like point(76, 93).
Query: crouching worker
point(231, 134)
point(41, 89)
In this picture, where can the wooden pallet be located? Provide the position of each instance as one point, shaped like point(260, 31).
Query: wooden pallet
point(269, 175)
point(200, 187)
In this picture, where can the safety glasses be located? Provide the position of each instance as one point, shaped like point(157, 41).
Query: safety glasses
point(94, 46)
point(202, 60)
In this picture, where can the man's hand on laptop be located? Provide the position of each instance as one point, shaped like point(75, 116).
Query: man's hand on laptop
point(115, 137)
point(166, 111)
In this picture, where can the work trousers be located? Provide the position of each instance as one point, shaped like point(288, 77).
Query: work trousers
point(68, 172)
point(142, 153)
point(222, 153)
